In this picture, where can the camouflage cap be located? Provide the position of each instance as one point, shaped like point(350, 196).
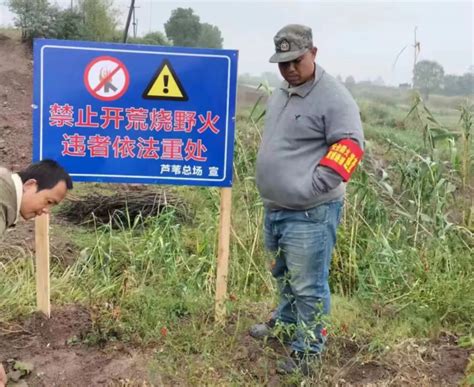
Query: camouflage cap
point(291, 42)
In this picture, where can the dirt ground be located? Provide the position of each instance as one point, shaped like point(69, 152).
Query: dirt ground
point(55, 348)
point(50, 346)
point(16, 69)
point(56, 351)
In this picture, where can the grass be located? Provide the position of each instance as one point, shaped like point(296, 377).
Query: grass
point(402, 267)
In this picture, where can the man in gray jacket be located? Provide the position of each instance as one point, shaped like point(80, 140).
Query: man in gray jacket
point(31, 192)
point(312, 143)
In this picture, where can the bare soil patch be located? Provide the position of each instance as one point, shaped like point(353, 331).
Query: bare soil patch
point(54, 348)
point(412, 362)
point(16, 85)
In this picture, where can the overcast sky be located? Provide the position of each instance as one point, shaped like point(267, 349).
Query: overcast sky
point(359, 38)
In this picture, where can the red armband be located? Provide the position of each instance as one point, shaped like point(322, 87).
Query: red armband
point(343, 157)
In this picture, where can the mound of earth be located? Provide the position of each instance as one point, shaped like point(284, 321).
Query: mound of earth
point(54, 356)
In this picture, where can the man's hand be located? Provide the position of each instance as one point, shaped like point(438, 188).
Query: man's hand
point(3, 377)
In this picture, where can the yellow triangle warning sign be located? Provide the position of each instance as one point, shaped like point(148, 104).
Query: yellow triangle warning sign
point(165, 85)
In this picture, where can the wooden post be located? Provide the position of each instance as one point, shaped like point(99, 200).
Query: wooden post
point(223, 254)
point(42, 264)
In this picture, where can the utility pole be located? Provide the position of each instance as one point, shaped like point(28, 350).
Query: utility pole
point(134, 23)
point(129, 17)
point(149, 24)
point(416, 48)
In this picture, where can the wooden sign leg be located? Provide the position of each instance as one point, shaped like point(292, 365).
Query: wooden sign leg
point(42, 264)
point(223, 254)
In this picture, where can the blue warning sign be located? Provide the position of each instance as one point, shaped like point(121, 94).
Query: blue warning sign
point(135, 113)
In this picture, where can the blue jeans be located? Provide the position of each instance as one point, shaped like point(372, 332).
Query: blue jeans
point(302, 242)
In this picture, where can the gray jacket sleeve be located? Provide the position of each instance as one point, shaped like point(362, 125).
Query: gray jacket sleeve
point(325, 179)
point(342, 120)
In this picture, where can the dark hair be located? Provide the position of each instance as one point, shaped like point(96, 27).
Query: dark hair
point(47, 174)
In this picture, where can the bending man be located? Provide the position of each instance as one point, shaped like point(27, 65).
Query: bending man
point(29, 193)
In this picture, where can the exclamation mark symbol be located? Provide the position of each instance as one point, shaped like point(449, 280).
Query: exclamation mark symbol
point(165, 90)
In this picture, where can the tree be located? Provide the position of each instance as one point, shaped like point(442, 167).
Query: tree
point(35, 18)
point(99, 20)
point(156, 38)
point(183, 27)
point(350, 82)
point(467, 84)
point(89, 20)
point(428, 77)
point(458, 84)
point(210, 37)
point(451, 84)
point(68, 25)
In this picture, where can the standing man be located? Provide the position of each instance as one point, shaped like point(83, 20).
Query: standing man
point(30, 193)
point(312, 143)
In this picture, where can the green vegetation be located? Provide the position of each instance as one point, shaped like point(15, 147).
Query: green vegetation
point(184, 28)
point(428, 76)
point(88, 20)
point(156, 38)
point(402, 268)
point(97, 20)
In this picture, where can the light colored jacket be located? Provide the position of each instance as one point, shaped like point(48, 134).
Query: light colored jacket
point(8, 201)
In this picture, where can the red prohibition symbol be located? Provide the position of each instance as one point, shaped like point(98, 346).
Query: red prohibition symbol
point(106, 78)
